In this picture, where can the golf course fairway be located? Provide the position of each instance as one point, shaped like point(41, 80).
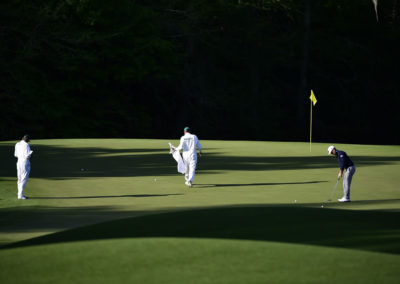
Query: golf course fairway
point(117, 210)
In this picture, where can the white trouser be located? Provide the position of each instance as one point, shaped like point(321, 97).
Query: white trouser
point(190, 161)
point(23, 170)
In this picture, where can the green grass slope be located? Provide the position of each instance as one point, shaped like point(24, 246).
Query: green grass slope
point(170, 260)
point(116, 209)
point(362, 230)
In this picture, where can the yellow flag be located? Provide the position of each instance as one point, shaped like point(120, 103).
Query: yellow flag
point(313, 98)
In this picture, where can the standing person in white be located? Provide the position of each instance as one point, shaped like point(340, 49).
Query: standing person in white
point(23, 153)
point(188, 144)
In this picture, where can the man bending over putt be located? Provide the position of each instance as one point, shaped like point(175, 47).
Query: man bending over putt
point(347, 166)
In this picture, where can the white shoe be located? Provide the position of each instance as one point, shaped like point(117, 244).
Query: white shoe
point(344, 199)
point(188, 183)
point(22, 198)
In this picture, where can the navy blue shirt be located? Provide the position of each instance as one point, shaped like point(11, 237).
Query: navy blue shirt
point(343, 159)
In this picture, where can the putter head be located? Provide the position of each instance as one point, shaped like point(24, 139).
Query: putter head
point(329, 200)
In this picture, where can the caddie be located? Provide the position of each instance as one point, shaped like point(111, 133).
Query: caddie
point(188, 144)
point(23, 153)
point(347, 166)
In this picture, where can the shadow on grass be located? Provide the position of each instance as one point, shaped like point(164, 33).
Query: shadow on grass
point(105, 196)
point(199, 185)
point(65, 163)
point(373, 202)
point(362, 230)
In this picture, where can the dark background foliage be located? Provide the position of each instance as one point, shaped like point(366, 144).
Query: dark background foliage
point(229, 69)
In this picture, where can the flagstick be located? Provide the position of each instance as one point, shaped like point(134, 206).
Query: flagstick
point(310, 123)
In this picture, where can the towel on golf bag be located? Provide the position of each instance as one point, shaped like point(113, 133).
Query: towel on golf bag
point(178, 158)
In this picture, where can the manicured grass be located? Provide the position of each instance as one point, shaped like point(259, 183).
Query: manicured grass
point(171, 260)
point(121, 211)
point(363, 230)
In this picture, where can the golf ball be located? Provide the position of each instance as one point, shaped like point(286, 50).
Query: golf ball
point(322, 206)
point(295, 201)
point(155, 179)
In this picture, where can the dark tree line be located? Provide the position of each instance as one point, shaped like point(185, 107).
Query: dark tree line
point(229, 69)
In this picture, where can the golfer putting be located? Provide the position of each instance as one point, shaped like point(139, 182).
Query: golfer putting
point(347, 166)
point(188, 144)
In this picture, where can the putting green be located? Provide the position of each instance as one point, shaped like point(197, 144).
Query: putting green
point(171, 260)
point(268, 198)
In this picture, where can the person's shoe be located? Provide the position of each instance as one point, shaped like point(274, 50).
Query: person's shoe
point(22, 198)
point(188, 183)
point(344, 199)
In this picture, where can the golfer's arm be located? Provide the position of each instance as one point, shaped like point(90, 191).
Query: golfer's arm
point(199, 147)
point(180, 145)
point(28, 152)
point(340, 174)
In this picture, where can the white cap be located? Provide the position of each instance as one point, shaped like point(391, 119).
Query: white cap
point(330, 149)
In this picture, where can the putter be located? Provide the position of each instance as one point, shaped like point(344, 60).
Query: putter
point(333, 192)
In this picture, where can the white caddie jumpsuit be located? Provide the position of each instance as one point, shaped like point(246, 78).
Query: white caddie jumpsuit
point(23, 153)
point(188, 144)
